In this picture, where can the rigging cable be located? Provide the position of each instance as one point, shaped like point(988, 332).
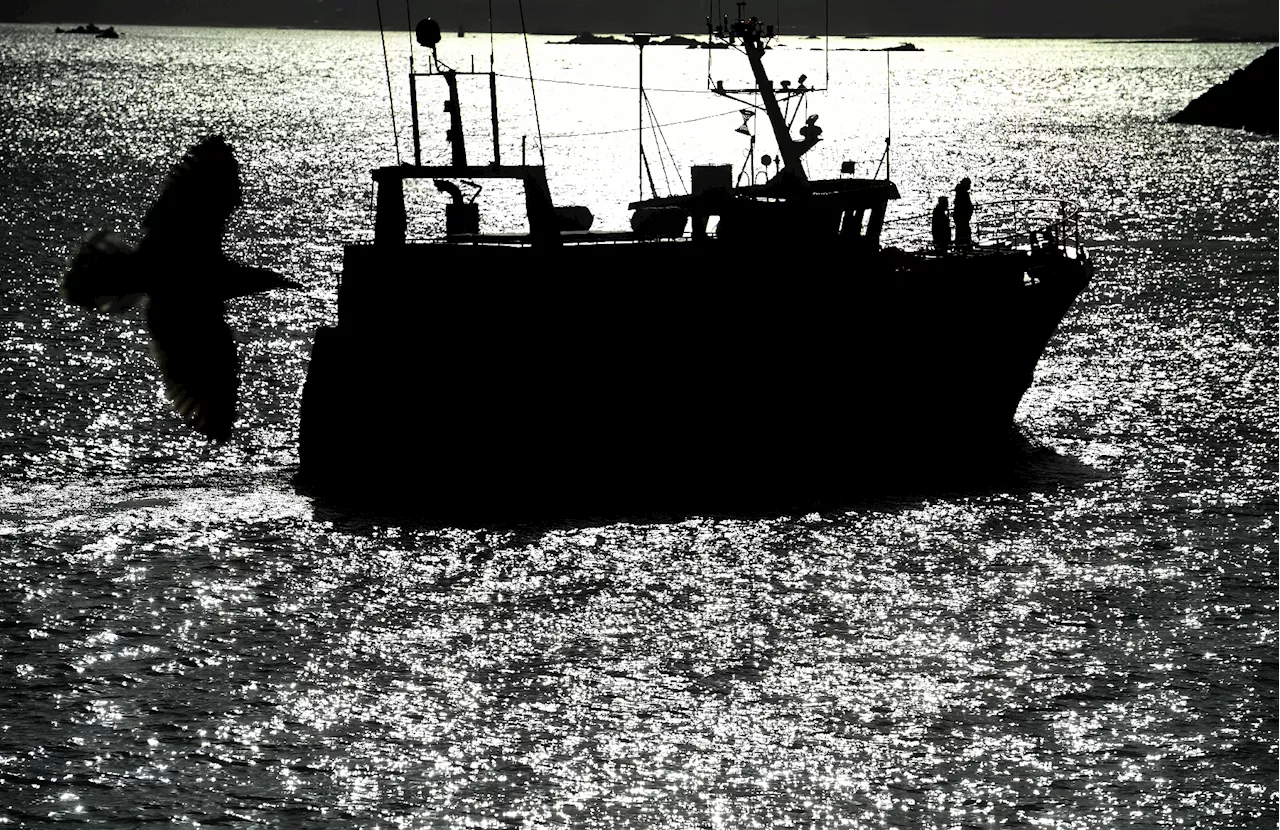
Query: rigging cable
point(674, 164)
point(386, 63)
point(627, 87)
point(524, 30)
point(632, 129)
point(659, 140)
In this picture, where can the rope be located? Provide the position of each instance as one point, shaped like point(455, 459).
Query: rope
point(653, 120)
point(386, 63)
point(633, 129)
point(675, 165)
point(598, 86)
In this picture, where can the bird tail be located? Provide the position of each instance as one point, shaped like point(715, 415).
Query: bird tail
point(102, 275)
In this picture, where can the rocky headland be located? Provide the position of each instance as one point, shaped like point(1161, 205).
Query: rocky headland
point(1245, 101)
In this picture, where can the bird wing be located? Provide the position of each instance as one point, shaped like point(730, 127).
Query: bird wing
point(103, 275)
point(196, 352)
point(243, 280)
point(196, 199)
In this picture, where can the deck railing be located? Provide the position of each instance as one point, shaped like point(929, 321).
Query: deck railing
point(1003, 224)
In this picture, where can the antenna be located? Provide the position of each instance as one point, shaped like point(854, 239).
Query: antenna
point(493, 92)
point(413, 88)
point(710, 38)
point(888, 100)
point(524, 30)
point(408, 18)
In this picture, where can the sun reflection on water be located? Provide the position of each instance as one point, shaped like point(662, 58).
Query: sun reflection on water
point(187, 640)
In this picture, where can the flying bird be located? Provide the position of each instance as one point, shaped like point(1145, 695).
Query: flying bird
point(180, 275)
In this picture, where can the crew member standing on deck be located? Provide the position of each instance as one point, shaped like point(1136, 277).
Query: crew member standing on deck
point(963, 212)
point(941, 226)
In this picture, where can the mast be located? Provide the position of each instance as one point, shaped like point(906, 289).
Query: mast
point(641, 40)
point(789, 149)
point(454, 133)
point(753, 35)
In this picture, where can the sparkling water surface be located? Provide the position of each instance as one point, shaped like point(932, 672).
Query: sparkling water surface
point(1091, 643)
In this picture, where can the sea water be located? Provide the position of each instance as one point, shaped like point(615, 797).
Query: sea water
point(185, 639)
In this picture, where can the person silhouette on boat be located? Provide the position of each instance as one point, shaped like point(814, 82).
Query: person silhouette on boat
point(963, 212)
point(1051, 245)
point(941, 226)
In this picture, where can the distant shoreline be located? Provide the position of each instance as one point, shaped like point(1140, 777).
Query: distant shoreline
point(557, 32)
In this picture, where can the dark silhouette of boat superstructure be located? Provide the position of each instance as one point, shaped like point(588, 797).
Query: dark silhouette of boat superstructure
point(789, 357)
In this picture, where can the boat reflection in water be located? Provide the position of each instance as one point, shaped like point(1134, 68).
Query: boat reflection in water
point(741, 348)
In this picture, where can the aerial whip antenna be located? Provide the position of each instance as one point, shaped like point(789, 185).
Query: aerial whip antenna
point(413, 87)
point(542, 153)
point(493, 92)
point(491, 67)
point(888, 102)
point(408, 18)
point(710, 9)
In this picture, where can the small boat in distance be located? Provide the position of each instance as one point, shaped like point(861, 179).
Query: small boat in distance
point(745, 347)
point(108, 33)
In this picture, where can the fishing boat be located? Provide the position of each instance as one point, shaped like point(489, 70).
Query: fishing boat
point(743, 347)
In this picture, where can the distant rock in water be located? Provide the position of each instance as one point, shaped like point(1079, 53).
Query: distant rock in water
point(680, 40)
point(592, 39)
point(1246, 100)
point(596, 40)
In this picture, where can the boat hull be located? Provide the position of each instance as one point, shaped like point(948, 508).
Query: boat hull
point(512, 382)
